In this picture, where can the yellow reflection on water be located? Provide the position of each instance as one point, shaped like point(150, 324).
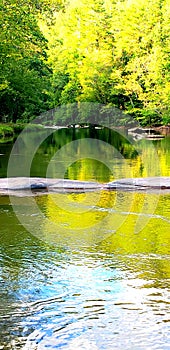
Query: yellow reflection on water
point(122, 222)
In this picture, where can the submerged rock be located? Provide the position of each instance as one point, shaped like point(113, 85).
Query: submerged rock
point(30, 186)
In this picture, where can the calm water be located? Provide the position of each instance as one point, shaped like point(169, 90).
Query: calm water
point(88, 270)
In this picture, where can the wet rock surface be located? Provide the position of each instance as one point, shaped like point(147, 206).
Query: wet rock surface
point(25, 186)
point(21, 186)
point(147, 183)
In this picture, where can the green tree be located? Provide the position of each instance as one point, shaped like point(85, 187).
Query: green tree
point(24, 74)
point(80, 51)
point(114, 53)
point(141, 61)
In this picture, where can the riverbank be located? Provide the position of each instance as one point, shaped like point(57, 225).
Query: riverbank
point(8, 130)
point(164, 129)
point(11, 129)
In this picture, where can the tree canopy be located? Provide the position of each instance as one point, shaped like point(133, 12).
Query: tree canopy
point(112, 52)
point(24, 74)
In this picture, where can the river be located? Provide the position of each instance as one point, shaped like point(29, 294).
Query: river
point(94, 272)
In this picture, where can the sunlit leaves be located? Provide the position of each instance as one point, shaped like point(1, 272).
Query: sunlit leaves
point(141, 45)
point(113, 52)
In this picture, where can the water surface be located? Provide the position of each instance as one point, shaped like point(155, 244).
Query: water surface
point(91, 271)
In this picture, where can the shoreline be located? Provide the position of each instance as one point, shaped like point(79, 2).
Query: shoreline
point(11, 129)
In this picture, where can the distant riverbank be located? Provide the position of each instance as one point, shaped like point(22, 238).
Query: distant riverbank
point(8, 130)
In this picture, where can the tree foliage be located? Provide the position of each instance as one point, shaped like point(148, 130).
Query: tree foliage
point(114, 53)
point(24, 75)
point(106, 51)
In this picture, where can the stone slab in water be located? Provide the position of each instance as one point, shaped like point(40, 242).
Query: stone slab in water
point(16, 183)
point(147, 183)
point(28, 186)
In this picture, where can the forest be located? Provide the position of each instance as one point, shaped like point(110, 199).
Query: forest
point(58, 52)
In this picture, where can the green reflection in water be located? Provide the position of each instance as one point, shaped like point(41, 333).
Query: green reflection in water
point(73, 223)
point(124, 158)
point(112, 246)
point(109, 219)
point(90, 267)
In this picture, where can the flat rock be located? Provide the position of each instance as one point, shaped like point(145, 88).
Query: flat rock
point(31, 186)
point(142, 184)
point(26, 186)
